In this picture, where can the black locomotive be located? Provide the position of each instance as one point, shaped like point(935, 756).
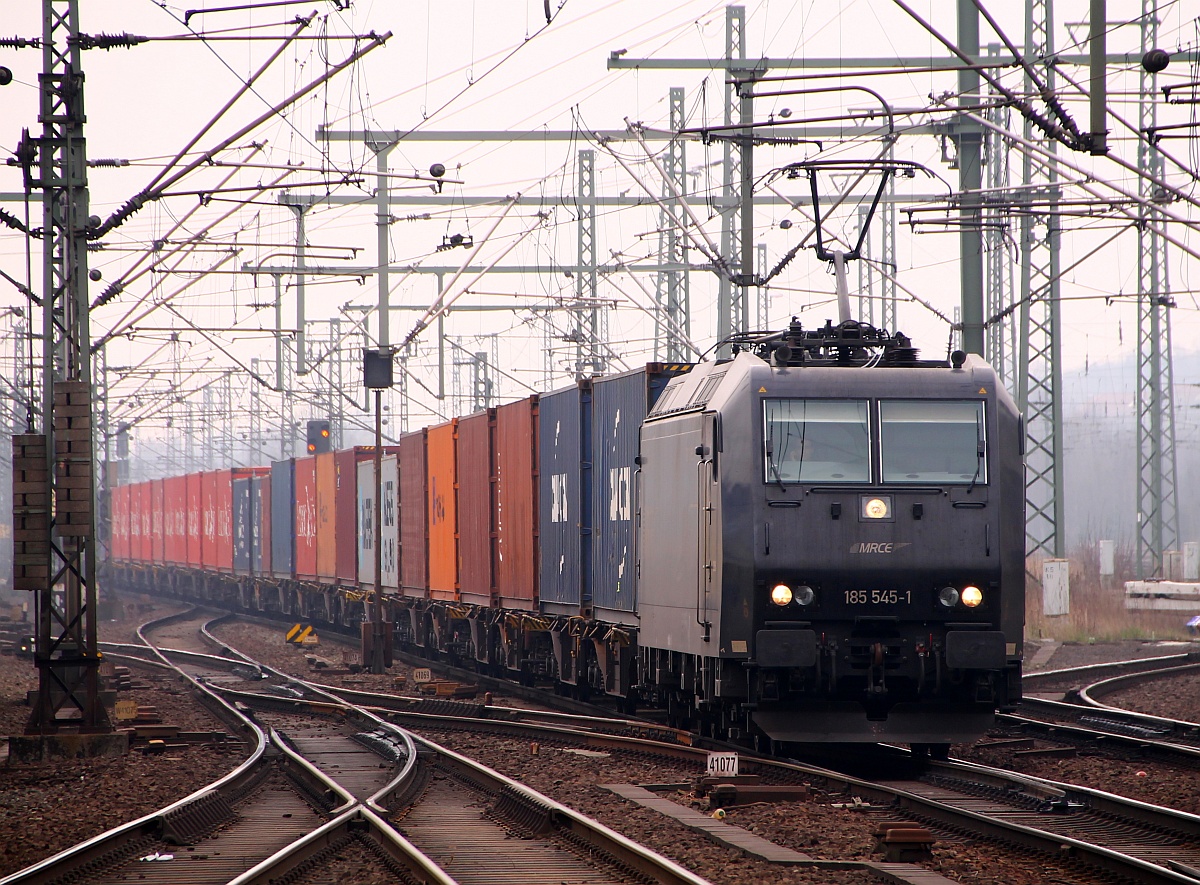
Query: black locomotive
point(833, 541)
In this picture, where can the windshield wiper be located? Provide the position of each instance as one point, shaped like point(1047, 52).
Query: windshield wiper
point(774, 467)
point(979, 451)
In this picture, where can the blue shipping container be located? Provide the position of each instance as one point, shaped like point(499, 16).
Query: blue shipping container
point(565, 495)
point(283, 518)
point(619, 403)
point(243, 528)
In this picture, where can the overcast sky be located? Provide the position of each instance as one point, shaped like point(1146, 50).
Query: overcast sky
point(497, 65)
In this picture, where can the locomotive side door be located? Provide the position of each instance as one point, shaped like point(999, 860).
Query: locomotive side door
point(708, 525)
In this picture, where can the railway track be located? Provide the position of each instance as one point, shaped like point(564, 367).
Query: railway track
point(1066, 707)
point(426, 813)
point(1123, 837)
point(319, 783)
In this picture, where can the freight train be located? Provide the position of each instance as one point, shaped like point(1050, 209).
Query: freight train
point(820, 538)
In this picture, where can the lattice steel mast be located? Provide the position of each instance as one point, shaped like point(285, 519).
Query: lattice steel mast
point(53, 499)
point(1039, 379)
point(1157, 507)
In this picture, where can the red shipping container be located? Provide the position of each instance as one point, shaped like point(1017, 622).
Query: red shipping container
point(135, 522)
point(515, 445)
point(175, 531)
point(265, 525)
point(327, 502)
point(119, 509)
point(156, 521)
point(443, 511)
point(208, 504)
point(414, 509)
point(475, 510)
point(223, 488)
point(345, 521)
point(217, 552)
point(306, 518)
point(195, 519)
point(145, 517)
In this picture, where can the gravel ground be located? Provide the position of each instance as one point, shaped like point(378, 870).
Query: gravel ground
point(815, 827)
point(45, 807)
point(1175, 697)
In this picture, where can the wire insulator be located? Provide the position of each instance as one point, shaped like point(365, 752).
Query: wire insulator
point(12, 221)
point(119, 217)
point(114, 289)
point(108, 162)
point(109, 41)
point(20, 43)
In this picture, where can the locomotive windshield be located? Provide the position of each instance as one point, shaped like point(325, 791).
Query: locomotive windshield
point(817, 441)
point(939, 442)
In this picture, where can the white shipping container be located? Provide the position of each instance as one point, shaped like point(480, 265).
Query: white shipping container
point(391, 523)
point(1056, 587)
point(389, 512)
point(366, 524)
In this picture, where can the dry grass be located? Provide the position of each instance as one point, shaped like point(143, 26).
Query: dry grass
point(1098, 612)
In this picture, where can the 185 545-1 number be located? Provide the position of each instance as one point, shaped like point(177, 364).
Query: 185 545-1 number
point(878, 597)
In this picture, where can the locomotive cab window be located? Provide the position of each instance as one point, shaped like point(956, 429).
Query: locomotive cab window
point(936, 442)
point(817, 441)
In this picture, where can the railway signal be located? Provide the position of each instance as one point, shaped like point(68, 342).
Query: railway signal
point(318, 437)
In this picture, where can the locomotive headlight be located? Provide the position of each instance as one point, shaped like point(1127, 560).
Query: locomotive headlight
point(805, 595)
point(948, 596)
point(781, 594)
point(877, 508)
point(972, 596)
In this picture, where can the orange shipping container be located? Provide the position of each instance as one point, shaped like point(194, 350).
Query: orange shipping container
point(516, 520)
point(475, 511)
point(327, 485)
point(443, 512)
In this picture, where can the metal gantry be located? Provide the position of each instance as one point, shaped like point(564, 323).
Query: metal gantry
point(1001, 300)
point(1157, 506)
point(588, 326)
point(735, 170)
point(672, 295)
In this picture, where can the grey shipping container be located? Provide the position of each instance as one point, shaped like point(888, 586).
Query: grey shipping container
point(565, 499)
point(619, 403)
point(283, 518)
point(243, 528)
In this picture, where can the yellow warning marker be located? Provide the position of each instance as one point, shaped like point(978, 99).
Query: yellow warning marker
point(299, 633)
